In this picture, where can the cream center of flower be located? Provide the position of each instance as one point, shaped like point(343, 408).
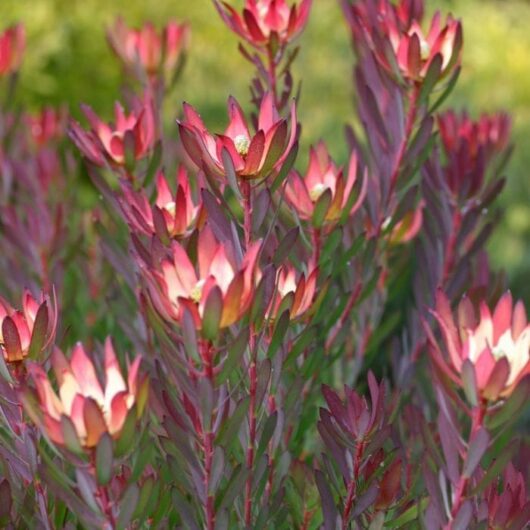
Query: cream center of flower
point(171, 208)
point(317, 191)
point(498, 352)
point(425, 49)
point(196, 292)
point(242, 144)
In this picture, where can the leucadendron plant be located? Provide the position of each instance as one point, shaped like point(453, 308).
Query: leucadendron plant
point(317, 346)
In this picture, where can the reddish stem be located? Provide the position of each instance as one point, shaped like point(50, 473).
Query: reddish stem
point(272, 75)
point(352, 486)
point(317, 244)
point(208, 440)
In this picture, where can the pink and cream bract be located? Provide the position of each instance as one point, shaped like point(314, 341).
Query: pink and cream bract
point(496, 347)
point(251, 155)
point(107, 142)
point(155, 51)
point(173, 214)
point(82, 401)
point(33, 328)
point(261, 19)
point(12, 45)
point(323, 176)
point(182, 285)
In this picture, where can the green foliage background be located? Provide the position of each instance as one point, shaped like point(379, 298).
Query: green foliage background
point(68, 61)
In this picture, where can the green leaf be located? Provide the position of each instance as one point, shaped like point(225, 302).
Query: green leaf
point(40, 328)
point(104, 457)
point(477, 447)
point(71, 439)
point(235, 354)
point(266, 435)
point(280, 329)
point(145, 456)
point(286, 167)
point(127, 435)
point(213, 311)
point(230, 427)
point(321, 209)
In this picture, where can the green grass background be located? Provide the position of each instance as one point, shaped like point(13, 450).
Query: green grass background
point(68, 60)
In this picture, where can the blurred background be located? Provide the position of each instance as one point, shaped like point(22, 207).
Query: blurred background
point(68, 60)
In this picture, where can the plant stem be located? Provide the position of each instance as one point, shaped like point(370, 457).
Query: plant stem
point(208, 440)
point(272, 75)
point(352, 486)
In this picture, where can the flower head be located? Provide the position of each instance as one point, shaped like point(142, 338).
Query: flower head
point(156, 52)
point(173, 214)
point(505, 509)
point(261, 19)
point(29, 330)
point(182, 285)
point(469, 145)
point(251, 155)
point(294, 291)
point(82, 401)
point(135, 130)
point(415, 51)
point(45, 126)
point(496, 347)
point(323, 176)
point(12, 44)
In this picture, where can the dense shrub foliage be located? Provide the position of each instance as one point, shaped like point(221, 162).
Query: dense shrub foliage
point(311, 346)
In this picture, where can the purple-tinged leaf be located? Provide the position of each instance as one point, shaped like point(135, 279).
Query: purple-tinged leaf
point(87, 488)
point(5, 500)
point(11, 338)
point(280, 329)
point(218, 467)
point(235, 353)
point(230, 172)
point(476, 450)
point(469, 382)
point(366, 500)
point(234, 488)
point(260, 208)
point(286, 246)
point(267, 433)
point(229, 430)
point(329, 510)
point(463, 517)
point(128, 505)
point(286, 167)
point(217, 217)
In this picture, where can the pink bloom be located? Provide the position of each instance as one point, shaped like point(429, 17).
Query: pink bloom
point(409, 226)
point(323, 176)
point(12, 44)
point(415, 51)
point(294, 292)
point(155, 51)
point(92, 408)
point(496, 347)
point(46, 126)
point(31, 329)
point(172, 215)
point(108, 141)
point(251, 155)
point(469, 145)
point(184, 285)
point(511, 507)
point(260, 19)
